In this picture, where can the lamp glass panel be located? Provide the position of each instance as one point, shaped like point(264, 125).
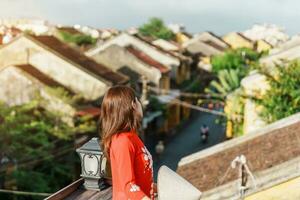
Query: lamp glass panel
point(91, 164)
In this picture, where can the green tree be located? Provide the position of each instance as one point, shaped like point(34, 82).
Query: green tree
point(78, 39)
point(39, 146)
point(283, 97)
point(227, 81)
point(156, 28)
point(243, 59)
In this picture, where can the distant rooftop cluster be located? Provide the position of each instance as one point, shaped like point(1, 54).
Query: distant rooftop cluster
point(271, 33)
point(37, 56)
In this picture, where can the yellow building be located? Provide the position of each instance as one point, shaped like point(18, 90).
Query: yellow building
point(262, 45)
point(289, 190)
point(182, 37)
point(255, 85)
point(237, 40)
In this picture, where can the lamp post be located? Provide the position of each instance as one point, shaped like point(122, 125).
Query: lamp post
point(93, 164)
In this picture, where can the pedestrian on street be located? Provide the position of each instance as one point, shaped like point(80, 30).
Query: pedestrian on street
point(159, 149)
point(204, 133)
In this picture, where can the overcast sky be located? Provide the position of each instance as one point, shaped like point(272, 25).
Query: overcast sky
point(220, 16)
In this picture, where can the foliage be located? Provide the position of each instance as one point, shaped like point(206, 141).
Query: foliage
point(39, 146)
point(227, 81)
point(234, 110)
point(157, 29)
point(192, 85)
point(79, 39)
point(231, 67)
point(241, 59)
point(64, 95)
point(155, 105)
point(283, 97)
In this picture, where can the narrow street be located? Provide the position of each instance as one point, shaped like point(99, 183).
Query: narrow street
point(187, 140)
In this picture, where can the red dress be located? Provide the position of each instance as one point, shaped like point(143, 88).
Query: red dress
point(131, 166)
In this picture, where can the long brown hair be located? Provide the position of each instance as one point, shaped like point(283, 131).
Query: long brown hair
point(117, 114)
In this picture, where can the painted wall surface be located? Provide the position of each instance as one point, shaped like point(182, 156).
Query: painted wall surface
point(285, 191)
point(236, 41)
point(23, 51)
point(116, 57)
point(262, 46)
point(20, 88)
point(125, 39)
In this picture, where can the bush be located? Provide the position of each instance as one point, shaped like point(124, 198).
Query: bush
point(78, 39)
point(283, 97)
point(40, 147)
point(241, 59)
point(156, 28)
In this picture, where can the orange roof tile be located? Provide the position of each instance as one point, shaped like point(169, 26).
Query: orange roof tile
point(147, 59)
point(82, 60)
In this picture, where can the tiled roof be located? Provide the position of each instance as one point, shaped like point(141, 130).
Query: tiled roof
point(81, 60)
point(218, 37)
point(170, 53)
point(93, 111)
point(243, 36)
point(215, 45)
point(147, 59)
point(203, 49)
point(134, 76)
point(275, 144)
point(68, 29)
point(265, 41)
point(34, 72)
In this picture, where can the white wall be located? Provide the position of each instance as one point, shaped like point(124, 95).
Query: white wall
point(124, 39)
point(116, 57)
point(19, 88)
point(66, 73)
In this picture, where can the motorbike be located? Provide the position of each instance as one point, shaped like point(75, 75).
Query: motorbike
point(204, 137)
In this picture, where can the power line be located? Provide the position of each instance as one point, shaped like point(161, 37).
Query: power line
point(176, 101)
point(46, 157)
point(32, 162)
point(188, 105)
point(37, 149)
point(24, 193)
point(185, 104)
point(186, 94)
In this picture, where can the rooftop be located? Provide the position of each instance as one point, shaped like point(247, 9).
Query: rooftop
point(34, 72)
point(80, 59)
point(170, 53)
point(147, 59)
point(204, 48)
point(270, 146)
point(243, 36)
point(69, 29)
point(89, 110)
point(215, 45)
point(207, 36)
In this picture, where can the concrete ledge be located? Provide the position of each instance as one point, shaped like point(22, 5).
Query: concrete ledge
point(264, 180)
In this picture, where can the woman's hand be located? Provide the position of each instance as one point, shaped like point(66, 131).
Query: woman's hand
point(153, 192)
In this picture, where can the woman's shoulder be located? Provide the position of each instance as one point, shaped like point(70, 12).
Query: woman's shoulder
point(124, 138)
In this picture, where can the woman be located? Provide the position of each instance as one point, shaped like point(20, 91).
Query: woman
point(131, 163)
